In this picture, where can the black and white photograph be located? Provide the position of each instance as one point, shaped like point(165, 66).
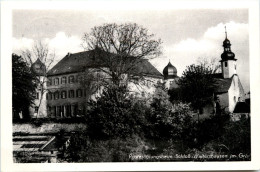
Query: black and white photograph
point(131, 85)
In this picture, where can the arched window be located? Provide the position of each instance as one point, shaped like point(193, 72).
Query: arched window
point(56, 81)
point(226, 64)
point(71, 79)
point(56, 95)
point(71, 94)
point(234, 99)
point(63, 94)
point(79, 93)
point(63, 80)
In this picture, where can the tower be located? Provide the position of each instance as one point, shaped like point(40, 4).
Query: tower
point(228, 61)
point(170, 76)
point(38, 109)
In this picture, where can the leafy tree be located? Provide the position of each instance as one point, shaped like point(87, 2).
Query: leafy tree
point(237, 137)
point(125, 45)
point(196, 86)
point(114, 114)
point(23, 85)
point(167, 120)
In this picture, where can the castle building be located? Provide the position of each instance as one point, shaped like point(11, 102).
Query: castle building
point(67, 95)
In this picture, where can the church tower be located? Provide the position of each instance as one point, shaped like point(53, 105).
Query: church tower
point(228, 61)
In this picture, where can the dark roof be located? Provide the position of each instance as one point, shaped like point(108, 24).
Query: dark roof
point(38, 68)
point(222, 85)
point(242, 107)
point(77, 62)
point(166, 71)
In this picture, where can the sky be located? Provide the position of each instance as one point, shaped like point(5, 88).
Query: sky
point(186, 34)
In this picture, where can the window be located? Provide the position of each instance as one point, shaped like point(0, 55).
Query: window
point(63, 80)
point(79, 93)
point(56, 95)
point(63, 94)
point(80, 78)
point(71, 94)
point(49, 96)
point(56, 81)
point(49, 81)
point(225, 64)
point(37, 95)
point(170, 71)
point(235, 99)
point(235, 67)
point(49, 108)
point(85, 92)
point(71, 79)
point(36, 109)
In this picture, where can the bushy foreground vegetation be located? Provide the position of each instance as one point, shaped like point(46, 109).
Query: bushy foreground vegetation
point(120, 128)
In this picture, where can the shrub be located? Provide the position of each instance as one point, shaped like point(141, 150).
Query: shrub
point(114, 115)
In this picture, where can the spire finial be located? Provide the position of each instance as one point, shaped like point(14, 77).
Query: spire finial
point(226, 31)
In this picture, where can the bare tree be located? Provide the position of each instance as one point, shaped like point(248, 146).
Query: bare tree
point(41, 51)
point(120, 48)
point(212, 63)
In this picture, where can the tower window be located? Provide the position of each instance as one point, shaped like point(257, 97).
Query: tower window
point(235, 99)
point(36, 109)
point(225, 64)
point(235, 67)
point(37, 95)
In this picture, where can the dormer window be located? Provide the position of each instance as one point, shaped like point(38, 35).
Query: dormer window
point(170, 71)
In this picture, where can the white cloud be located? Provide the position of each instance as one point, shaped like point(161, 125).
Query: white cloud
point(187, 51)
point(61, 44)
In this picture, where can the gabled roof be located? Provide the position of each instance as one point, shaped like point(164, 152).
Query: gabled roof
point(222, 85)
point(77, 62)
point(242, 107)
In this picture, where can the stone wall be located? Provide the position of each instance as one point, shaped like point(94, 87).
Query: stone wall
point(48, 127)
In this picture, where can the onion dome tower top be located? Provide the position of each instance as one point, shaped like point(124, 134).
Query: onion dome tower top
point(227, 54)
point(170, 71)
point(38, 68)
